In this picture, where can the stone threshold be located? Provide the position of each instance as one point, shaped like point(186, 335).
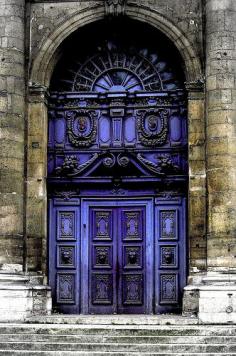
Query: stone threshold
point(166, 319)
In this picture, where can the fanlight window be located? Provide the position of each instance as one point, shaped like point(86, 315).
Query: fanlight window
point(110, 71)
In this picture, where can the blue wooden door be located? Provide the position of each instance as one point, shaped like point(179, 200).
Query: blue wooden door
point(118, 247)
point(117, 255)
point(117, 182)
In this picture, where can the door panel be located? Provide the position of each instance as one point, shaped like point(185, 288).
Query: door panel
point(64, 258)
point(102, 261)
point(131, 245)
point(170, 237)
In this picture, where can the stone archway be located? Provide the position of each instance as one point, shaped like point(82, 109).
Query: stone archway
point(37, 130)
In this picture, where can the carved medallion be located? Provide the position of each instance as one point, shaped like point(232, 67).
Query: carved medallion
point(82, 127)
point(152, 126)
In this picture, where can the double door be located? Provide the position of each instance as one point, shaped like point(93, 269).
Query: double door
point(118, 237)
point(117, 256)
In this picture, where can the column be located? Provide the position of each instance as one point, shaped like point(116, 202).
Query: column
point(217, 295)
point(12, 110)
point(221, 133)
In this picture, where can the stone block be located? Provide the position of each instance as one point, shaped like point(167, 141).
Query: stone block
point(217, 304)
point(3, 103)
point(190, 300)
point(218, 181)
point(19, 299)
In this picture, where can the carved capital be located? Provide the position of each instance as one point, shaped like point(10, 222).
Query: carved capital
point(115, 7)
point(37, 93)
point(195, 89)
point(195, 86)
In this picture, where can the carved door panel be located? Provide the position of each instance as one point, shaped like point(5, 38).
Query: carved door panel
point(102, 261)
point(170, 236)
point(132, 274)
point(64, 255)
point(117, 270)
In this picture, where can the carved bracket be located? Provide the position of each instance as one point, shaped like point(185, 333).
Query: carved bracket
point(115, 7)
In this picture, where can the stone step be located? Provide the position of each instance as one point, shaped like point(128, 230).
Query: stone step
point(116, 330)
point(166, 319)
point(78, 353)
point(187, 339)
point(114, 347)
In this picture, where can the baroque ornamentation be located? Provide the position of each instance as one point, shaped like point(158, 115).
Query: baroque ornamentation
point(82, 127)
point(115, 7)
point(71, 167)
point(66, 288)
point(152, 126)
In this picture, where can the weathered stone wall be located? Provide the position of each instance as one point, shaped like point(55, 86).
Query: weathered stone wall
point(12, 105)
point(221, 128)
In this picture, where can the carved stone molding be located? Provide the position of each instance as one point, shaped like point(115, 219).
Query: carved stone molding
point(195, 86)
point(115, 7)
point(37, 93)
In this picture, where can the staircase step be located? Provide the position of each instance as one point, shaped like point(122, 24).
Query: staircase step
point(187, 339)
point(116, 330)
point(45, 346)
point(118, 340)
point(77, 353)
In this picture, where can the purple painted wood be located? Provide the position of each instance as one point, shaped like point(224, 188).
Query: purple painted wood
point(117, 272)
point(117, 182)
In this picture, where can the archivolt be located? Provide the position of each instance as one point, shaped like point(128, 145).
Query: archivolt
point(44, 62)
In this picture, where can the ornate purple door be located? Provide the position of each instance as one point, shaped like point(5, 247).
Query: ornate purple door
point(117, 185)
point(117, 274)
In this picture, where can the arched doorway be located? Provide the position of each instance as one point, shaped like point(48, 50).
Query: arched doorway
point(117, 172)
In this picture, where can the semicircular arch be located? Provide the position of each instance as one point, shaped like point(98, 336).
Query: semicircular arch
point(43, 64)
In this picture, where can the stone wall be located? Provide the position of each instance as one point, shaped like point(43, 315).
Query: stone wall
point(221, 128)
point(12, 108)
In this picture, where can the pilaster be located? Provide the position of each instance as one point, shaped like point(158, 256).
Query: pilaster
point(12, 111)
point(217, 294)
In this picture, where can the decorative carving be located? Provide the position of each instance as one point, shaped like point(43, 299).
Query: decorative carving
point(168, 224)
point(133, 289)
point(122, 160)
point(168, 289)
point(153, 167)
point(167, 165)
point(115, 7)
point(152, 126)
point(103, 224)
point(102, 256)
point(102, 288)
point(66, 225)
point(66, 288)
point(66, 195)
point(109, 161)
point(168, 256)
point(195, 86)
point(71, 167)
point(82, 127)
point(132, 224)
point(133, 257)
point(66, 256)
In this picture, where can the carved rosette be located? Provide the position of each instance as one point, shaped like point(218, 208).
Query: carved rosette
point(82, 127)
point(152, 127)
